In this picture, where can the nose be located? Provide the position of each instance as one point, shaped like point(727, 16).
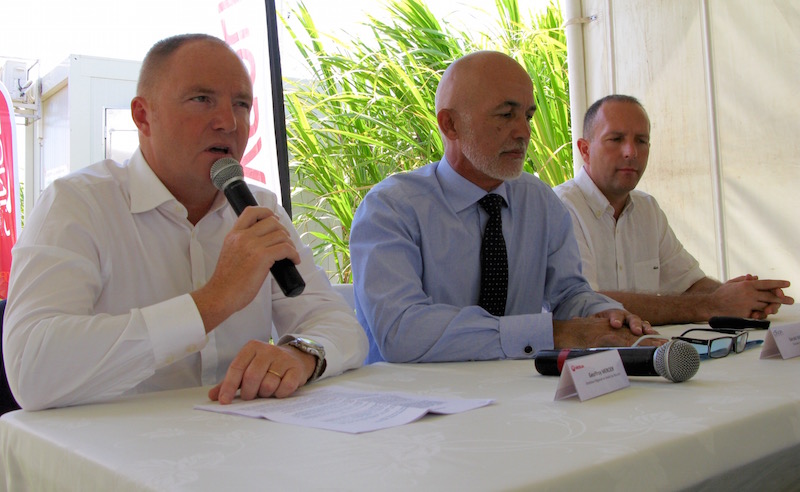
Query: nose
point(225, 118)
point(522, 129)
point(629, 150)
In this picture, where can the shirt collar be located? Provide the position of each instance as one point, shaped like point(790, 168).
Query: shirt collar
point(594, 197)
point(461, 192)
point(147, 190)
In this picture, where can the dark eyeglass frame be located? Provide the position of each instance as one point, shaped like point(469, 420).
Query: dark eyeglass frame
point(736, 342)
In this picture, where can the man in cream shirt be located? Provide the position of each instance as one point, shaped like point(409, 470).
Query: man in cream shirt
point(628, 250)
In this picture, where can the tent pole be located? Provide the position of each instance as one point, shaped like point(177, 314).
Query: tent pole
point(612, 62)
point(573, 29)
point(278, 110)
point(716, 167)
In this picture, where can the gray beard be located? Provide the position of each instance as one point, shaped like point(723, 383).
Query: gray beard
point(492, 167)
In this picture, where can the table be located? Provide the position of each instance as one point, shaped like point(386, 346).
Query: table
point(734, 426)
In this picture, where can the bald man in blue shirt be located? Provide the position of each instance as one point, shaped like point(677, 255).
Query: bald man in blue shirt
point(416, 240)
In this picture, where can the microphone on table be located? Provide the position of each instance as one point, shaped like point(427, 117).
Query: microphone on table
point(676, 360)
point(228, 176)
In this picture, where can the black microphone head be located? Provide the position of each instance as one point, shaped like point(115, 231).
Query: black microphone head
point(224, 171)
point(676, 360)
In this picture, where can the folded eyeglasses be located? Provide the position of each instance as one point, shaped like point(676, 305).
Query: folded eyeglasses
point(718, 346)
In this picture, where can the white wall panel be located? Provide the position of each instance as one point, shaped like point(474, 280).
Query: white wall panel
point(757, 61)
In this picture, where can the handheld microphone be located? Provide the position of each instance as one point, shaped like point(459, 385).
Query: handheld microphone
point(676, 360)
point(228, 176)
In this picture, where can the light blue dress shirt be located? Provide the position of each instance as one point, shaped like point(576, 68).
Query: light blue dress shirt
point(415, 251)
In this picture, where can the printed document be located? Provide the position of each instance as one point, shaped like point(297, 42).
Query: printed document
point(345, 410)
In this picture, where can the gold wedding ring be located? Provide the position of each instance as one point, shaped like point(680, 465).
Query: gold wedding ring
point(275, 373)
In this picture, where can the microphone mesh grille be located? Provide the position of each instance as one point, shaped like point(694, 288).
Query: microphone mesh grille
point(224, 170)
point(676, 360)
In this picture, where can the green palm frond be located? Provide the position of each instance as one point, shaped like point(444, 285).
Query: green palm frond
point(368, 110)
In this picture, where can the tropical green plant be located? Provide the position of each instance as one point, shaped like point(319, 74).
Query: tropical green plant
point(368, 110)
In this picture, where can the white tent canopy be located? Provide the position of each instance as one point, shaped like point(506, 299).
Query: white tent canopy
point(717, 78)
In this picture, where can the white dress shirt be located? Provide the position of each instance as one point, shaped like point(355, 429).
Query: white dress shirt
point(99, 302)
point(637, 253)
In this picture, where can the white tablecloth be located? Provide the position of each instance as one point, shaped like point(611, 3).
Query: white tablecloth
point(735, 425)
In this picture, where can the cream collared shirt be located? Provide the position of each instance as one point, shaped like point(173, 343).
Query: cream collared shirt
point(637, 253)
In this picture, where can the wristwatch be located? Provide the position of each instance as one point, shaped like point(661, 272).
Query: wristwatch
point(309, 347)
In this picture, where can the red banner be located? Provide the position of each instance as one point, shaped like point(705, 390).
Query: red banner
point(9, 186)
point(243, 27)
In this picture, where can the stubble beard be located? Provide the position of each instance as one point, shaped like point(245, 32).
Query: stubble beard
point(494, 167)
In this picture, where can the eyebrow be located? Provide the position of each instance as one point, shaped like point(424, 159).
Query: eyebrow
point(618, 133)
point(200, 89)
point(515, 104)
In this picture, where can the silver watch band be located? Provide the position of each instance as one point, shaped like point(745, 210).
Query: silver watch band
point(310, 347)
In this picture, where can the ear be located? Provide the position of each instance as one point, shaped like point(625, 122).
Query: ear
point(583, 148)
point(447, 125)
point(140, 112)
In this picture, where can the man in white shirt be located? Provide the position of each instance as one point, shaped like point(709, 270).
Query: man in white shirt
point(140, 277)
point(629, 252)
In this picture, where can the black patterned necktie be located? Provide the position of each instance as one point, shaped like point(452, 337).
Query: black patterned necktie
point(494, 258)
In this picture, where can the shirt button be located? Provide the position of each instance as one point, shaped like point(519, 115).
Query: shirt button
point(528, 349)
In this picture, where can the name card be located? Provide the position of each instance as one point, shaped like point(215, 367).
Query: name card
point(592, 375)
point(783, 341)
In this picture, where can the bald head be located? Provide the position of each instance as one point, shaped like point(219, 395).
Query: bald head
point(155, 62)
point(484, 104)
point(472, 76)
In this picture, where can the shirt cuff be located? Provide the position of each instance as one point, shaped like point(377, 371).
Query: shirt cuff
point(522, 336)
point(175, 328)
